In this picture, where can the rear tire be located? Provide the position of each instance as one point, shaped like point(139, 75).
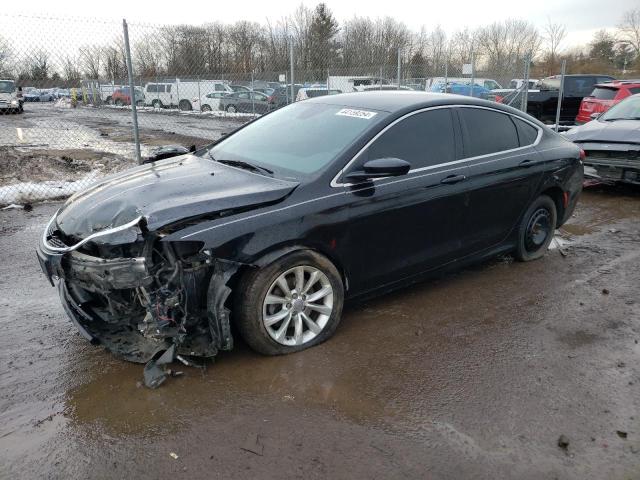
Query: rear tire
point(322, 291)
point(185, 105)
point(232, 109)
point(206, 108)
point(119, 103)
point(156, 104)
point(536, 229)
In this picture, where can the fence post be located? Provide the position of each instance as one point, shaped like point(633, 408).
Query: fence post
point(561, 92)
point(399, 67)
point(525, 86)
point(446, 73)
point(473, 70)
point(132, 91)
point(293, 94)
point(199, 95)
point(252, 93)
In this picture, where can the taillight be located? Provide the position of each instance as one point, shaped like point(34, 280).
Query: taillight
point(499, 99)
point(271, 99)
point(583, 155)
point(565, 199)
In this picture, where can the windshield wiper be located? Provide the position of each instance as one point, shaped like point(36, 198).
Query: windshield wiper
point(243, 164)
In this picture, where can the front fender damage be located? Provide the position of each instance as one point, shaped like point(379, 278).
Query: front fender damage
point(152, 305)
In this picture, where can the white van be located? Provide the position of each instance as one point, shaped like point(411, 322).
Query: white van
point(184, 95)
point(10, 98)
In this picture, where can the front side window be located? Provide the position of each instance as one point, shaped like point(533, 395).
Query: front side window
point(423, 139)
point(487, 132)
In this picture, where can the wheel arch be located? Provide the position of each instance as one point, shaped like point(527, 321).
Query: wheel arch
point(270, 256)
point(558, 196)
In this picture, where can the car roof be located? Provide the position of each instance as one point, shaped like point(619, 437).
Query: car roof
point(393, 101)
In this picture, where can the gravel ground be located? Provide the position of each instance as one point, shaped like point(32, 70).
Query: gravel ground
point(474, 375)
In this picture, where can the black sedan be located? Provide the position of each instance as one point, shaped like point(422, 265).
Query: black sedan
point(612, 143)
point(272, 232)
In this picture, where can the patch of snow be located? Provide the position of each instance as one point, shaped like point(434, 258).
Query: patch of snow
point(27, 192)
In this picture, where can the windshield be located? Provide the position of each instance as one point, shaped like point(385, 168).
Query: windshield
point(628, 109)
point(297, 140)
point(7, 86)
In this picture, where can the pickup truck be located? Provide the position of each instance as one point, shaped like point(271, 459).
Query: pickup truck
point(543, 102)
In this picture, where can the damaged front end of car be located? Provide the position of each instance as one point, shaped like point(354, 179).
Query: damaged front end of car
point(138, 295)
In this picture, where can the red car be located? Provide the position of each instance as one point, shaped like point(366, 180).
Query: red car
point(605, 96)
point(121, 96)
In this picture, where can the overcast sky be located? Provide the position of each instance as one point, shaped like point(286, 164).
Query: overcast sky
point(582, 17)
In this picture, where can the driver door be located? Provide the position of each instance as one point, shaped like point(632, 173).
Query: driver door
point(402, 226)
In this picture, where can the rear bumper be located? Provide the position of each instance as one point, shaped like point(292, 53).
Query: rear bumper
point(616, 170)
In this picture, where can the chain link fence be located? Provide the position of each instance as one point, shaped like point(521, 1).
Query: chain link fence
point(83, 90)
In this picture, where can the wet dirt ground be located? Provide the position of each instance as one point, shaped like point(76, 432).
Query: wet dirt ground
point(474, 375)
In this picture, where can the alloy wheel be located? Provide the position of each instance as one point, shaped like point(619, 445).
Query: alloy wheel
point(297, 306)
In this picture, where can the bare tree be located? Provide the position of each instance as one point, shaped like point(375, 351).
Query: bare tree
point(91, 60)
point(71, 71)
point(629, 30)
point(6, 56)
point(554, 35)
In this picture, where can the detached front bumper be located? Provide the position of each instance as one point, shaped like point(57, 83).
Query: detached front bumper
point(141, 305)
point(72, 271)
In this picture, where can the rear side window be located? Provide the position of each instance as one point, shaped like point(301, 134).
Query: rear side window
point(219, 87)
point(604, 93)
point(423, 139)
point(152, 88)
point(161, 88)
point(487, 131)
point(527, 133)
point(634, 90)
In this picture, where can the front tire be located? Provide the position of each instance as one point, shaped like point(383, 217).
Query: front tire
point(290, 305)
point(536, 229)
point(206, 108)
point(232, 109)
point(185, 105)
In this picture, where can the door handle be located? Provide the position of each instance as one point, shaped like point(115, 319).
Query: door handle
point(526, 163)
point(453, 179)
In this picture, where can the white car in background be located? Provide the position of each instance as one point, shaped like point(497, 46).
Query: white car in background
point(312, 92)
point(211, 101)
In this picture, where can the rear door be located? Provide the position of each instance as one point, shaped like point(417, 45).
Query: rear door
point(504, 172)
point(401, 226)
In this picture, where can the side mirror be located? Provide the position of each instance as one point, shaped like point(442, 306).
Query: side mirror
point(380, 168)
point(594, 116)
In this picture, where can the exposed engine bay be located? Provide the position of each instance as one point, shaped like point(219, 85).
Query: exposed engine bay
point(145, 298)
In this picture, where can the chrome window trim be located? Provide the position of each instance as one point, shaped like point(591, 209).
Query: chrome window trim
point(323, 197)
point(336, 184)
point(108, 231)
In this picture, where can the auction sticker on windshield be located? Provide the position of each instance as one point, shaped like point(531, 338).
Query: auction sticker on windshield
point(350, 112)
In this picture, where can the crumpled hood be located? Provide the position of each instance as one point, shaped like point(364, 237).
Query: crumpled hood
point(165, 192)
point(621, 131)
